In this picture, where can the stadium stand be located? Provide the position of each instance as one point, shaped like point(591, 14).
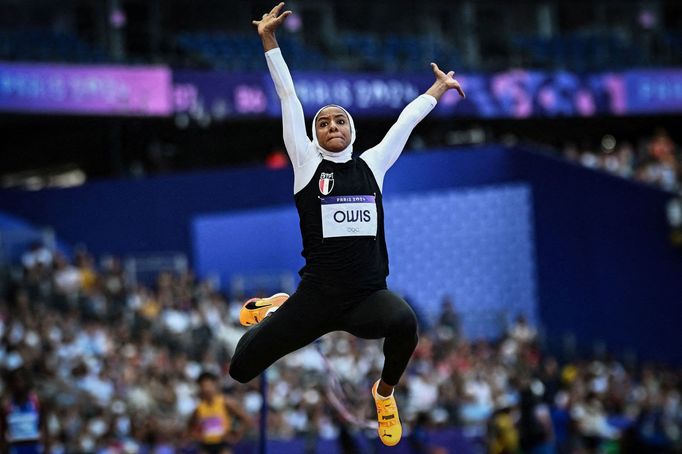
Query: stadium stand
point(45, 45)
point(116, 365)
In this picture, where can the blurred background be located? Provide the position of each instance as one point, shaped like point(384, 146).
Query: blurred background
point(535, 227)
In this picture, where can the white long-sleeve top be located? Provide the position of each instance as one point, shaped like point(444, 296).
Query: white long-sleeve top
point(306, 156)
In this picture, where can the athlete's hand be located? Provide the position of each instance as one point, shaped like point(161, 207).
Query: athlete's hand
point(443, 83)
point(271, 21)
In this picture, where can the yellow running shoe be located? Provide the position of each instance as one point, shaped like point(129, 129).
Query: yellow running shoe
point(255, 309)
point(390, 430)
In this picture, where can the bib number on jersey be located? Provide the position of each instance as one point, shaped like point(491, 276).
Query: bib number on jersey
point(349, 215)
point(23, 426)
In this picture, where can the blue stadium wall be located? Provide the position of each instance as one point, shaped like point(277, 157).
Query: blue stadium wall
point(605, 269)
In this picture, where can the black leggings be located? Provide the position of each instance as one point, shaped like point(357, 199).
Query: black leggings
point(312, 312)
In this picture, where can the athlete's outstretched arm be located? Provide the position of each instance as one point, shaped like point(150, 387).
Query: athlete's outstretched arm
point(381, 157)
point(293, 123)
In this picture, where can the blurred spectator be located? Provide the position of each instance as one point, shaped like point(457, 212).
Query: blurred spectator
point(448, 322)
point(521, 331)
point(212, 422)
point(86, 269)
point(23, 421)
point(660, 166)
point(37, 255)
point(592, 423)
point(503, 436)
point(536, 432)
point(67, 278)
point(657, 162)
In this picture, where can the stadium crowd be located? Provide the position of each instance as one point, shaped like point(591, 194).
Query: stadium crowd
point(655, 160)
point(115, 367)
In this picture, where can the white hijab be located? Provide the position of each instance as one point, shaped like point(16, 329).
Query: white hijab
point(344, 155)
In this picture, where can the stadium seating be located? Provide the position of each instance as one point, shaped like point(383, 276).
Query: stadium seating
point(578, 51)
point(46, 45)
point(241, 52)
point(354, 51)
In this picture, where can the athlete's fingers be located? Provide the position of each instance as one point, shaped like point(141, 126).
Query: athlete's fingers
point(451, 74)
point(459, 90)
point(255, 22)
point(283, 16)
point(275, 11)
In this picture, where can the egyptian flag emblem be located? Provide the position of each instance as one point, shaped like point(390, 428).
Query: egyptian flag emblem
point(326, 183)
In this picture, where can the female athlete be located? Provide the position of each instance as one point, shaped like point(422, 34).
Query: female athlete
point(339, 201)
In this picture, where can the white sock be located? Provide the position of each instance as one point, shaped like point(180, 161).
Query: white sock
point(271, 310)
point(384, 397)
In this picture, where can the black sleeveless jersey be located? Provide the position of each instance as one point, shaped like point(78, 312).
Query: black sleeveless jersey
point(342, 226)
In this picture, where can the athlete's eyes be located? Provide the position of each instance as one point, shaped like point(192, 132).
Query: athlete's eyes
point(322, 124)
point(341, 122)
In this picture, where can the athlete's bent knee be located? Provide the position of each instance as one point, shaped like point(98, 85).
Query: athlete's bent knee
point(405, 321)
point(239, 372)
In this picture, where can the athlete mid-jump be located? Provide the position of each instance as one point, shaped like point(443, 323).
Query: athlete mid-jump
point(339, 202)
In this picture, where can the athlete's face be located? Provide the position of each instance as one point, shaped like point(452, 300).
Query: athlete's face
point(208, 388)
point(333, 129)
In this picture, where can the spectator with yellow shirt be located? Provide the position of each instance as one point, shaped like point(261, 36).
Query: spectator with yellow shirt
point(212, 423)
